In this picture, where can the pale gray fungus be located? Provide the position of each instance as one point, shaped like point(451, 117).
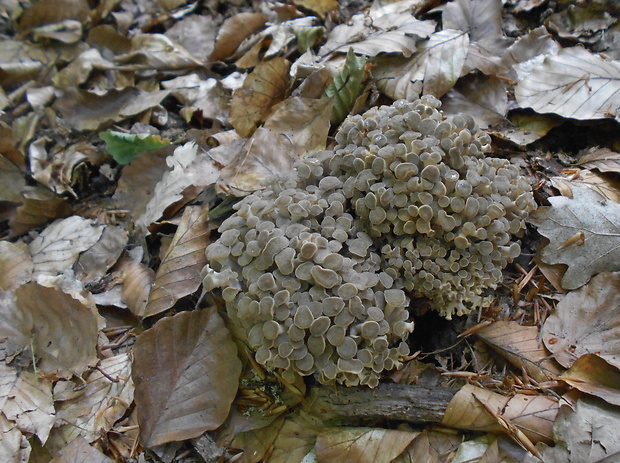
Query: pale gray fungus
point(318, 270)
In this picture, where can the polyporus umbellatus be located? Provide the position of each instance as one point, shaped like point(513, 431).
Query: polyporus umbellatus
point(318, 268)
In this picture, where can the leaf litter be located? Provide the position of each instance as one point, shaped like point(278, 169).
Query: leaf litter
point(103, 243)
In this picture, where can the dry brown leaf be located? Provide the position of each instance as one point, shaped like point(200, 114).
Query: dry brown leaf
point(30, 405)
point(434, 69)
point(598, 251)
point(483, 97)
point(529, 127)
point(362, 445)
point(190, 167)
point(58, 247)
point(572, 83)
point(95, 262)
point(533, 415)
point(137, 282)
point(82, 110)
point(179, 272)
point(536, 42)
point(14, 446)
point(587, 321)
point(15, 265)
point(607, 185)
point(195, 33)
point(520, 345)
point(11, 181)
point(602, 159)
point(593, 375)
point(79, 451)
point(50, 324)
point(53, 11)
point(156, 51)
point(255, 442)
point(206, 95)
point(296, 438)
point(263, 88)
point(297, 127)
point(40, 205)
point(94, 408)
point(589, 433)
point(430, 447)
point(186, 372)
point(234, 31)
point(320, 7)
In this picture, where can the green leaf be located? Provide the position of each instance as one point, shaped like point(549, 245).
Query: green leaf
point(347, 86)
point(124, 147)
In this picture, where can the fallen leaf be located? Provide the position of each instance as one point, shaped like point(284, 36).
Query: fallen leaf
point(297, 127)
point(484, 97)
point(430, 447)
point(14, 446)
point(137, 282)
point(572, 83)
point(95, 261)
point(537, 42)
point(188, 166)
point(206, 95)
point(520, 345)
point(53, 11)
point(196, 34)
point(587, 321)
point(82, 110)
point(580, 22)
point(186, 372)
point(587, 434)
point(179, 272)
point(39, 206)
point(602, 159)
point(255, 442)
point(481, 19)
point(362, 445)
point(296, 438)
point(11, 181)
point(320, 7)
point(605, 184)
point(264, 87)
point(58, 247)
point(30, 405)
point(600, 249)
point(79, 451)
point(124, 147)
point(233, 31)
point(60, 331)
point(384, 33)
point(433, 70)
point(593, 375)
point(529, 126)
point(533, 415)
point(156, 51)
point(94, 408)
point(15, 265)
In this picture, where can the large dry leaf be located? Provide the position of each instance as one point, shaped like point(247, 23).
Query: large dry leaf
point(15, 265)
point(14, 446)
point(197, 94)
point(186, 372)
point(593, 375)
point(482, 19)
point(296, 438)
point(95, 261)
point(61, 331)
point(58, 247)
point(179, 272)
point(572, 83)
point(483, 97)
point(234, 30)
point(95, 408)
point(380, 33)
point(79, 451)
point(520, 345)
point(189, 166)
point(535, 43)
point(254, 443)
point(40, 205)
point(587, 321)
point(297, 127)
point(362, 445)
point(263, 88)
point(598, 247)
point(589, 434)
point(156, 51)
point(602, 159)
point(11, 181)
point(30, 405)
point(82, 110)
point(430, 447)
point(534, 415)
point(433, 70)
point(137, 282)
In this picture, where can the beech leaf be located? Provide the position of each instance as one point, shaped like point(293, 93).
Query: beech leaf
point(599, 248)
point(346, 86)
point(179, 272)
point(186, 373)
point(124, 147)
point(572, 83)
point(586, 321)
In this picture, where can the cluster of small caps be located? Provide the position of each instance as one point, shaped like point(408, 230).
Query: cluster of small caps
point(306, 285)
point(317, 269)
point(441, 214)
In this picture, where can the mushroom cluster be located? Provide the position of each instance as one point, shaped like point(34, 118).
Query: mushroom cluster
point(318, 268)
